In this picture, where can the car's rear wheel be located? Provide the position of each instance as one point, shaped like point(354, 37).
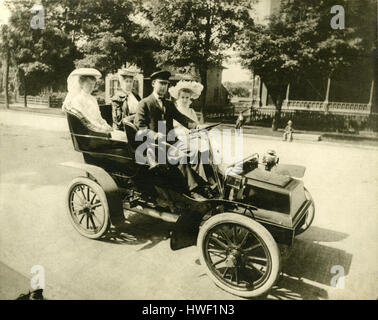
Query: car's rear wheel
point(310, 215)
point(88, 208)
point(239, 254)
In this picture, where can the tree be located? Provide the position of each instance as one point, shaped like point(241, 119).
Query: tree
point(196, 32)
point(5, 55)
point(39, 54)
point(239, 89)
point(296, 41)
point(106, 33)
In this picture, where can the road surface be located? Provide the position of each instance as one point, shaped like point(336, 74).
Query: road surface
point(138, 263)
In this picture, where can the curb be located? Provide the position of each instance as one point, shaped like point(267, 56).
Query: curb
point(43, 111)
point(296, 136)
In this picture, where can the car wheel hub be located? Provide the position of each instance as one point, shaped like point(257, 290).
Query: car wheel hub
point(233, 259)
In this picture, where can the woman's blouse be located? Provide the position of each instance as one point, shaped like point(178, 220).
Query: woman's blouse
point(87, 105)
point(189, 112)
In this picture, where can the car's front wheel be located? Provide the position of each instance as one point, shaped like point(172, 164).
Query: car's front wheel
point(240, 255)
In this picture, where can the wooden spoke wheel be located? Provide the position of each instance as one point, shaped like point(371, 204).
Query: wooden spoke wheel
point(239, 254)
point(310, 215)
point(88, 208)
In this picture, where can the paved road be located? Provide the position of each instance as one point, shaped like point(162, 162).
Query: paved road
point(138, 264)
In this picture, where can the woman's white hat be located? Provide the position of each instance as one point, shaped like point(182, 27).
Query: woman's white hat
point(73, 85)
point(195, 87)
point(130, 70)
point(86, 72)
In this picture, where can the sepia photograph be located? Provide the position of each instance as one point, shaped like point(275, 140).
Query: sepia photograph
point(188, 150)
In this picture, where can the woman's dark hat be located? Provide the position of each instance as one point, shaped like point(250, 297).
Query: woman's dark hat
point(163, 75)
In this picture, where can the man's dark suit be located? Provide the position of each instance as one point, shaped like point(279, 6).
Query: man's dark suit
point(147, 117)
point(149, 113)
point(120, 109)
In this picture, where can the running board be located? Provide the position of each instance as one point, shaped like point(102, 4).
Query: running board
point(165, 216)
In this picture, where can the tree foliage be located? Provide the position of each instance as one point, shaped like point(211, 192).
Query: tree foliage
point(239, 89)
point(107, 33)
point(196, 32)
point(83, 33)
point(298, 41)
point(39, 54)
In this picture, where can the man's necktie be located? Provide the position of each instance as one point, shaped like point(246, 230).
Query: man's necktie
point(161, 103)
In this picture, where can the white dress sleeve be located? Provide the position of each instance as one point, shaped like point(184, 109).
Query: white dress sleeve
point(132, 103)
point(88, 107)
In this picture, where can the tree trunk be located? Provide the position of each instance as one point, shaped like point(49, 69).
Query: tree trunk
point(277, 113)
point(17, 85)
point(203, 75)
point(23, 79)
point(25, 94)
point(6, 79)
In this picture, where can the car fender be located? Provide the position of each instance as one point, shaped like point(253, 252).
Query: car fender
point(109, 186)
point(186, 228)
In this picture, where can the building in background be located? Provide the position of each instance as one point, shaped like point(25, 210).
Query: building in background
point(264, 8)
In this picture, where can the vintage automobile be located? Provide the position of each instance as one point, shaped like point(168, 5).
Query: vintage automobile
point(236, 231)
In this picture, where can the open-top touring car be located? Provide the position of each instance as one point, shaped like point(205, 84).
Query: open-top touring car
point(236, 231)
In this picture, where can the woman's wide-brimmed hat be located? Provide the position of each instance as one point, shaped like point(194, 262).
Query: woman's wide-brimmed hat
point(86, 72)
point(194, 86)
point(130, 71)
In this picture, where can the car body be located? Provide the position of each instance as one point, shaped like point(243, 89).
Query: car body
point(236, 232)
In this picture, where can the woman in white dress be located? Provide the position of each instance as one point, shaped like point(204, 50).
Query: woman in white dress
point(195, 145)
point(184, 92)
point(81, 83)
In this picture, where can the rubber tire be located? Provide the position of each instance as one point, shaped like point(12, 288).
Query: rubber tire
point(300, 231)
point(257, 229)
point(101, 194)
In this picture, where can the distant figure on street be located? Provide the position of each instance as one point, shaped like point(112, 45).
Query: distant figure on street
point(288, 133)
point(239, 121)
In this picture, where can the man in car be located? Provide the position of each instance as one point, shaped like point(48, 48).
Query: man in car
point(156, 108)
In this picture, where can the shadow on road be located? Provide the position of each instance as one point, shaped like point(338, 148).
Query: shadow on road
point(310, 261)
point(307, 264)
point(322, 235)
point(293, 289)
point(139, 229)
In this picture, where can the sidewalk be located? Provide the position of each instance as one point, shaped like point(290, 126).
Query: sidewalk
point(277, 135)
point(263, 132)
point(312, 136)
point(33, 108)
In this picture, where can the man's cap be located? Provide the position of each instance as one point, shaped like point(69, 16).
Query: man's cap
point(162, 75)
